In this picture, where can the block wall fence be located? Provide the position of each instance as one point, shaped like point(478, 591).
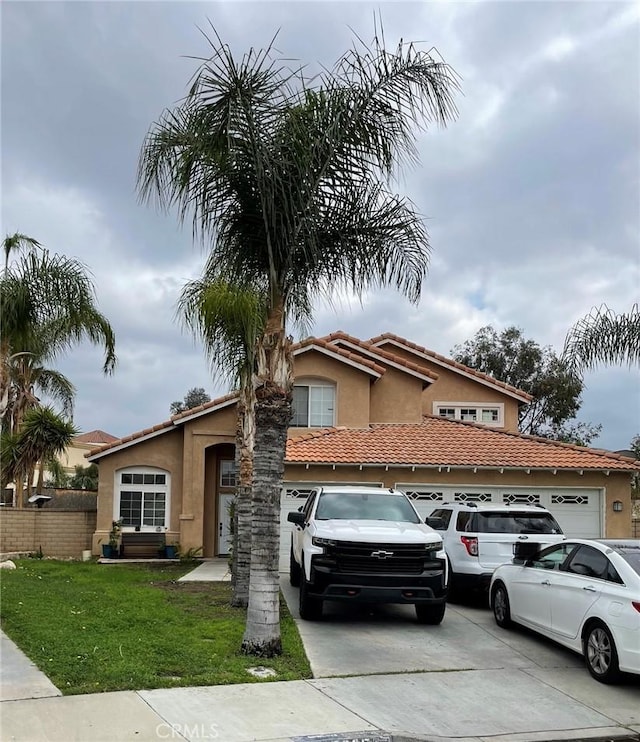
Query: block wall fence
point(57, 533)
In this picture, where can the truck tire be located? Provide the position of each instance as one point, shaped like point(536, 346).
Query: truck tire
point(310, 608)
point(294, 570)
point(430, 614)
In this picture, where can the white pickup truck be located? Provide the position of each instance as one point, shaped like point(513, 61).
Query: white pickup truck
point(366, 544)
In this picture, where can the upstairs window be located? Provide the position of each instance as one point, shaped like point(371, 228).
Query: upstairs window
point(313, 406)
point(486, 414)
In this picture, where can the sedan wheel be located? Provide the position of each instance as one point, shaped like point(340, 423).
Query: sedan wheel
point(500, 603)
point(600, 654)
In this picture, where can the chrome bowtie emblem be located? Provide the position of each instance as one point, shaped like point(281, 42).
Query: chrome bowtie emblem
point(381, 554)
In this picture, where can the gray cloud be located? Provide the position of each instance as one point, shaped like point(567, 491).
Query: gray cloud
point(531, 196)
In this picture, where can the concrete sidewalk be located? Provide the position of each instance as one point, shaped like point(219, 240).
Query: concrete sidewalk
point(519, 701)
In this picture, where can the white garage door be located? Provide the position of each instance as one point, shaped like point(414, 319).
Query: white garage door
point(578, 511)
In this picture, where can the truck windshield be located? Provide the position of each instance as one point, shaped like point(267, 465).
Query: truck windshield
point(365, 506)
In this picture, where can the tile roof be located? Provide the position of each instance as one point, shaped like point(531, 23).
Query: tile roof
point(323, 344)
point(441, 442)
point(165, 426)
point(95, 436)
point(389, 336)
point(368, 347)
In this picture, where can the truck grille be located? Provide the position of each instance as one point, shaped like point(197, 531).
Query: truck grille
point(365, 558)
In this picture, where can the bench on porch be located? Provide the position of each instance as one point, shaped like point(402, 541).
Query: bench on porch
point(134, 544)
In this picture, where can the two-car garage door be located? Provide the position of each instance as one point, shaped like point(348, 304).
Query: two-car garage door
point(579, 511)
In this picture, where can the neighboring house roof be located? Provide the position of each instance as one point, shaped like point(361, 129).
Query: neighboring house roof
point(95, 436)
point(439, 442)
point(389, 338)
point(164, 427)
point(363, 347)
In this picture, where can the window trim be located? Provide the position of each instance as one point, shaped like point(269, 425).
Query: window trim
point(310, 383)
point(459, 406)
point(118, 487)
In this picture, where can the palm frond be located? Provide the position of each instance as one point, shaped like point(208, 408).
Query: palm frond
point(604, 338)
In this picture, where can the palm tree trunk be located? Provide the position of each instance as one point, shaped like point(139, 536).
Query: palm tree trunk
point(241, 557)
point(273, 413)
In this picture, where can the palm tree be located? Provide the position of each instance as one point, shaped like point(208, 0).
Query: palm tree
point(229, 320)
point(25, 377)
point(47, 304)
point(43, 435)
point(287, 176)
point(603, 337)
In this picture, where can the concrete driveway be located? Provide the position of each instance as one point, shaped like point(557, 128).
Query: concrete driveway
point(465, 674)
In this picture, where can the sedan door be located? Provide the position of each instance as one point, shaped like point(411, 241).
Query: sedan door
point(576, 589)
point(530, 586)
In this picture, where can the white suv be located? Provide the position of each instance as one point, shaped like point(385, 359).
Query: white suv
point(366, 544)
point(479, 537)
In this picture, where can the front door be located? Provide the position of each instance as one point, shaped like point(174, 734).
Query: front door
point(224, 523)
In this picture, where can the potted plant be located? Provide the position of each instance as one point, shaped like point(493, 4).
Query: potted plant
point(171, 551)
point(111, 550)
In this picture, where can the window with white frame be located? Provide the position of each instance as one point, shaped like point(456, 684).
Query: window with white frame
point(313, 405)
point(142, 498)
point(486, 414)
point(227, 473)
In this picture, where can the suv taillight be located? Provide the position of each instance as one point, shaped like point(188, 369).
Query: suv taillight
point(470, 544)
point(636, 605)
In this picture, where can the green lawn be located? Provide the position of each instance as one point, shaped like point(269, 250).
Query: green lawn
point(93, 627)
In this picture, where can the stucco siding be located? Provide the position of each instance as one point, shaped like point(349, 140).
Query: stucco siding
point(352, 387)
point(162, 452)
point(396, 398)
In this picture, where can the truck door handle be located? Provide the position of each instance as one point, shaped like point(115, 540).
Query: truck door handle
point(220, 529)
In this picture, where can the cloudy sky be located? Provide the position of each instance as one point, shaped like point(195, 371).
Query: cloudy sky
point(531, 196)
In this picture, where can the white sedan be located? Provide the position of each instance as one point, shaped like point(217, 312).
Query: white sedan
point(582, 594)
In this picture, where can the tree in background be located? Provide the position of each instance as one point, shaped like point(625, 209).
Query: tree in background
point(286, 178)
point(603, 338)
point(193, 398)
point(522, 363)
point(229, 319)
point(85, 478)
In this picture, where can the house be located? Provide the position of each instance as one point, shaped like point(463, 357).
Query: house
point(75, 454)
point(385, 412)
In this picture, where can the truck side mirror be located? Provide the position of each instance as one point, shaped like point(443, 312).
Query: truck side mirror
point(296, 517)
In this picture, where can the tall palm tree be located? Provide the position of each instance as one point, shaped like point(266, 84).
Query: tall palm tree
point(604, 338)
point(47, 304)
point(229, 319)
point(26, 377)
point(287, 177)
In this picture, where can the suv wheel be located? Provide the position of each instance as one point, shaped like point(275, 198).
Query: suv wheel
point(430, 614)
point(310, 608)
point(501, 608)
point(294, 570)
point(600, 653)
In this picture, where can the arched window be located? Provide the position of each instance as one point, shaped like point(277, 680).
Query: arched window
point(314, 404)
point(142, 498)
